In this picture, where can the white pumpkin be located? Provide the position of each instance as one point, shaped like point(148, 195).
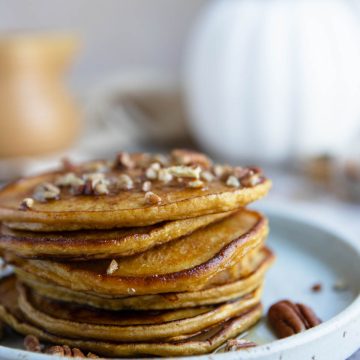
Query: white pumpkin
point(274, 79)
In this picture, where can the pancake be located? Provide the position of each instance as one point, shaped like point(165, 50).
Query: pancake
point(99, 244)
point(228, 290)
point(202, 343)
point(73, 207)
point(75, 321)
point(185, 264)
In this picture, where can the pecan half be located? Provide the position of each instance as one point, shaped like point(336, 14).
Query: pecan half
point(288, 318)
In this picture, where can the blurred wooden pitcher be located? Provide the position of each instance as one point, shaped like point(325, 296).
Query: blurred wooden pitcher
point(37, 114)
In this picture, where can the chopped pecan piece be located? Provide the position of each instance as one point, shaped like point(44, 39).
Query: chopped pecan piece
point(288, 318)
point(251, 180)
point(241, 172)
point(88, 188)
point(64, 350)
point(164, 176)
point(69, 179)
point(32, 343)
point(152, 171)
point(222, 171)
point(146, 186)
point(113, 266)
point(26, 204)
point(195, 184)
point(152, 198)
point(55, 350)
point(207, 176)
point(316, 287)
point(182, 171)
point(78, 353)
point(189, 157)
point(46, 191)
point(101, 189)
point(90, 355)
point(124, 161)
point(124, 182)
point(233, 181)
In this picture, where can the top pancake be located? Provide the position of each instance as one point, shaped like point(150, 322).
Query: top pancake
point(97, 195)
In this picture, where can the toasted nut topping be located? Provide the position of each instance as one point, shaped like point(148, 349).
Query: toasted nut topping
point(77, 353)
point(288, 318)
point(96, 178)
point(251, 180)
point(32, 343)
point(90, 355)
point(123, 160)
point(64, 350)
point(152, 198)
point(316, 287)
point(240, 172)
point(46, 191)
point(184, 171)
point(146, 186)
point(87, 189)
point(233, 181)
point(55, 350)
point(188, 157)
point(151, 174)
point(207, 176)
point(113, 266)
point(164, 176)
point(26, 204)
point(222, 171)
point(124, 182)
point(238, 344)
point(195, 184)
point(69, 179)
point(152, 171)
point(101, 189)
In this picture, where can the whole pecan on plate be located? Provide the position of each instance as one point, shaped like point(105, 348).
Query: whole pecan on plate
point(288, 318)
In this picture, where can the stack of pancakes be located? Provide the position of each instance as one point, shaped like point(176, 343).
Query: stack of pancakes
point(143, 255)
